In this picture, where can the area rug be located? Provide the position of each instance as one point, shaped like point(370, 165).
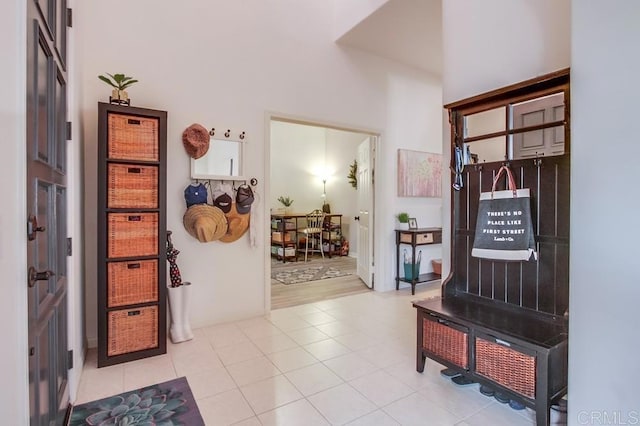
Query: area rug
point(303, 275)
point(167, 404)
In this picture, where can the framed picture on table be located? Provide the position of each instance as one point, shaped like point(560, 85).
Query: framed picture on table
point(413, 223)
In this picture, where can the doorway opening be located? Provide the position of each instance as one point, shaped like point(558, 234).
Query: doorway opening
point(326, 168)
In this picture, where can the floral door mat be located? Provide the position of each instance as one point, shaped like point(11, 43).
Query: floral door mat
point(168, 403)
point(302, 275)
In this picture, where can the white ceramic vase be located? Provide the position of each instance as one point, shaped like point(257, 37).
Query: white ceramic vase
point(403, 226)
point(180, 329)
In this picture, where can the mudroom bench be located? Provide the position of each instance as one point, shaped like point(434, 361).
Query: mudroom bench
point(504, 324)
point(521, 356)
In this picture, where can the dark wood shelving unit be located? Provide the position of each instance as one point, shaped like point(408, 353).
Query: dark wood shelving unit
point(131, 233)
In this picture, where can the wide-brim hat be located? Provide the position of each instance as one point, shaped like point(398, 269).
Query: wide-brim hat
point(205, 223)
point(195, 139)
point(238, 224)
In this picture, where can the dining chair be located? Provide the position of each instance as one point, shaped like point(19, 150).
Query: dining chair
point(313, 232)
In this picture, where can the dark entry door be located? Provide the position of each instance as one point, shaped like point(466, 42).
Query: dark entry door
point(47, 210)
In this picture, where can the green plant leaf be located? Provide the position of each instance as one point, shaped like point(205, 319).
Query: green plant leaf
point(127, 84)
point(106, 80)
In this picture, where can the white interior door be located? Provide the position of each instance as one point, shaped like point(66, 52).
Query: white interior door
point(365, 210)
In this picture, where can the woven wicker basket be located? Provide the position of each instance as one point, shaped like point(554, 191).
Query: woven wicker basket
point(132, 186)
point(511, 368)
point(132, 330)
point(446, 342)
point(132, 282)
point(132, 234)
point(132, 137)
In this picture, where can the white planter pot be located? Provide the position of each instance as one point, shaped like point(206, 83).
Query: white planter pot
point(403, 226)
point(180, 329)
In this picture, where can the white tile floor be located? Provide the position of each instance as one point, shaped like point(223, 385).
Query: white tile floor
point(342, 361)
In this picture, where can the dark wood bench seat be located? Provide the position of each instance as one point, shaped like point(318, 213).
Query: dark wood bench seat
point(523, 356)
point(490, 317)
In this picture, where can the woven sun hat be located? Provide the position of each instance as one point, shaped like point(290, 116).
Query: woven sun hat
point(195, 139)
point(205, 223)
point(238, 225)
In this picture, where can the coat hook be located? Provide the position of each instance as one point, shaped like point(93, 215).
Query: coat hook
point(241, 135)
point(212, 132)
point(227, 133)
point(253, 181)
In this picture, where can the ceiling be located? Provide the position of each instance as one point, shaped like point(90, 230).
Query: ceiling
point(408, 31)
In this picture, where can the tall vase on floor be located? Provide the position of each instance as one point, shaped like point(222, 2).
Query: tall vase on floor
point(180, 329)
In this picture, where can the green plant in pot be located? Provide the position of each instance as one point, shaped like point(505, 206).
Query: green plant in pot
point(286, 202)
point(403, 220)
point(119, 82)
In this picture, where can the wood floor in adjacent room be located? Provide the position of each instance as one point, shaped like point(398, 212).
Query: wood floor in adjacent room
point(283, 296)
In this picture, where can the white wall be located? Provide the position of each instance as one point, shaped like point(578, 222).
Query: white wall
point(13, 256)
point(224, 64)
point(415, 123)
point(297, 161)
point(604, 290)
point(348, 14)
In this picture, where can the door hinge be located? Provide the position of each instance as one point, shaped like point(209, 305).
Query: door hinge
point(69, 17)
point(69, 246)
point(70, 359)
point(69, 130)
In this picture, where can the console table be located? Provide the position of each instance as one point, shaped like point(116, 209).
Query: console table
point(414, 238)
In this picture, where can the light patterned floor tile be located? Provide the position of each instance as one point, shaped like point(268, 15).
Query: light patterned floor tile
point(253, 370)
point(294, 414)
point(225, 408)
point(381, 388)
point(313, 379)
point(270, 393)
point(307, 335)
point(326, 349)
point(377, 418)
point(419, 411)
point(292, 359)
point(341, 404)
point(350, 366)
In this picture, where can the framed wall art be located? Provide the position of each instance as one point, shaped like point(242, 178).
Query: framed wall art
point(419, 174)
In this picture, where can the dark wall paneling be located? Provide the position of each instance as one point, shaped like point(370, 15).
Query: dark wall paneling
point(534, 284)
point(546, 277)
point(500, 280)
point(462, 272)
point(514, 283)
point(486, 278)
point(562, 277)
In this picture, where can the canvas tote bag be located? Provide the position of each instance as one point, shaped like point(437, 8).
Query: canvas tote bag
point(504, 230)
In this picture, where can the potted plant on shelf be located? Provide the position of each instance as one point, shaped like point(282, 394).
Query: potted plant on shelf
point(403, 221)
point(286, 202)
point(119, 82)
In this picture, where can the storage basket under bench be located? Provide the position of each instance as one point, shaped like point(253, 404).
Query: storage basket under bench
point(523, 357)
